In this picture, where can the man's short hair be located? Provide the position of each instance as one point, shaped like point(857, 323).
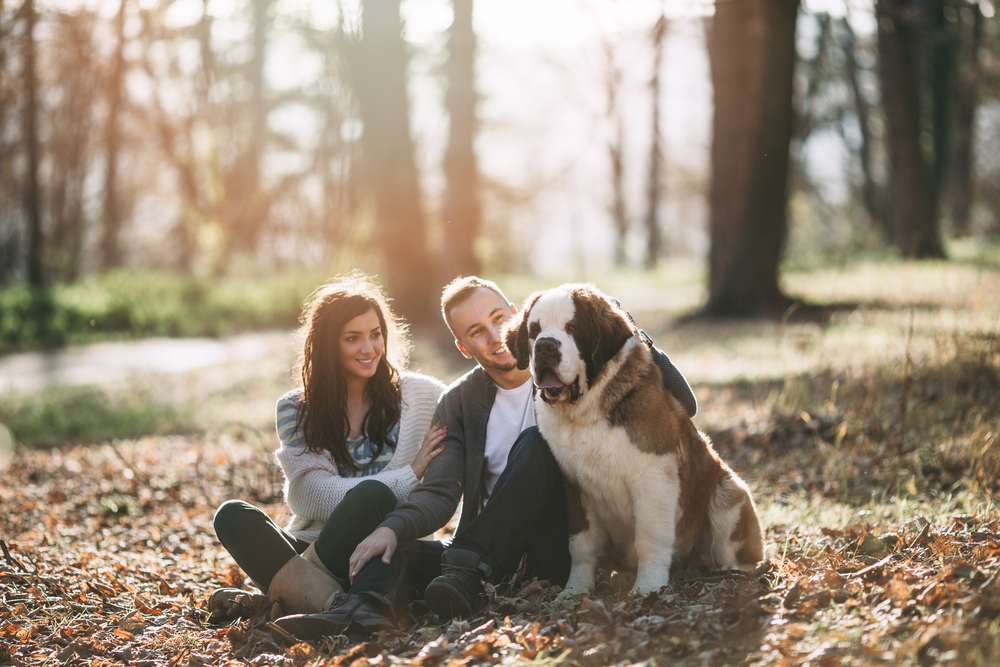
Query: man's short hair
point(458, 290)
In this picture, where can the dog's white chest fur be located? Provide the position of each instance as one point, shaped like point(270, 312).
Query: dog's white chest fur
point(616, 482)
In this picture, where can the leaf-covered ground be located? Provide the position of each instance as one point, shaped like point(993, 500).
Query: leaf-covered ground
point(871, 441)
point(883, 549)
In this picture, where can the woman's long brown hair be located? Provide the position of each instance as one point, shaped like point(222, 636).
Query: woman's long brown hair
point(322, 409)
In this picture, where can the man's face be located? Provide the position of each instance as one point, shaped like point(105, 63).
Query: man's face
point(477, 323)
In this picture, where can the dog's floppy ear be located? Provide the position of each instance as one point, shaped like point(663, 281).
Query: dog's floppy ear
point(516, 334)
point(604, 326)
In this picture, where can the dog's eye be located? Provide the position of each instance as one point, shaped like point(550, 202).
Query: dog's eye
point(570, 327)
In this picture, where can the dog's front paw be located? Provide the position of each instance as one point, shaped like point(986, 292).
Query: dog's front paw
point(646, 585)
point(577, 585)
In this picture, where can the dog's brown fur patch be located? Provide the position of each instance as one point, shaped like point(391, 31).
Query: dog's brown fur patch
point(515, 333)
point(747, 531)
point(636, 399)
point(656, 423)
point(701, 472)
point(601, 330)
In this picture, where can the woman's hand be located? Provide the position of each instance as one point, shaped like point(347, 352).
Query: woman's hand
point(382, 542)
point(429, 449)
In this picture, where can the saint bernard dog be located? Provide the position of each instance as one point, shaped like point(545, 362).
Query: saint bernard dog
point(644, 486)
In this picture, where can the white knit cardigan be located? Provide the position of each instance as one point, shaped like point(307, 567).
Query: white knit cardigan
point(313, 486)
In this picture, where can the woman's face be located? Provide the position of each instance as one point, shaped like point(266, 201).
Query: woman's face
point(361, 346)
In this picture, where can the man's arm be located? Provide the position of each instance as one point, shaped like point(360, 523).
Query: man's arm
point(675, 382)
point(430, 505)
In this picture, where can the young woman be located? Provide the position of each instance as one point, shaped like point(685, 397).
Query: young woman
point(355, 438)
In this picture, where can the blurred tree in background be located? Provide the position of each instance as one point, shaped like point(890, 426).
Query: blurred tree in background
point(461, 211)
point(32, 195)
point(379, 79)
point(654, 188)
point(913, 184)
point(616, 150)
point(111, 252)
point(968, 74)
point(752, 51)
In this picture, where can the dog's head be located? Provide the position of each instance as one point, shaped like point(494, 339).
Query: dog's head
point(566, 335)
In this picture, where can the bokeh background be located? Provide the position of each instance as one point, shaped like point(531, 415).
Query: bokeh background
point(424, 139)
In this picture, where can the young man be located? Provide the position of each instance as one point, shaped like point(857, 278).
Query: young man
point(494, 457)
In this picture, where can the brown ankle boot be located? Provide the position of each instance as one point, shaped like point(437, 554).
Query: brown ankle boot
point(304, 585)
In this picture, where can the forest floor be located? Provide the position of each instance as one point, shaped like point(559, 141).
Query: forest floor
point(869, 434)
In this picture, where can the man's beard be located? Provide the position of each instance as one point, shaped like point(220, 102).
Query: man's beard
point(491, 365)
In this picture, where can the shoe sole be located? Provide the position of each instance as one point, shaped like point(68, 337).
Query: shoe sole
point(310, 628)
point(446, 601)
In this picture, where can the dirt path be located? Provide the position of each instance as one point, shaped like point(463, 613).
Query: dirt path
point(104, 363)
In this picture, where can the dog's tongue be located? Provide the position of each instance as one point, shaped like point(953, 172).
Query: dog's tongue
point(548, 381)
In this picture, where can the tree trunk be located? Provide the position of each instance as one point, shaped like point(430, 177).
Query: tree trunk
point(752, 56)
point(939, 41)
point(32, 193)
point(191, 214)
point(74, 70)
point(461, 211)
point(379, 82)
point(654, 237)
point(619, 214)
point(965, 115)
point(616, 154)
point(872, 195)
point(249, 205)
point(912, 207)
point(111, 254)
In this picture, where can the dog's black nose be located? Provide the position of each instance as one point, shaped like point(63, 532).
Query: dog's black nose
point(546, 348)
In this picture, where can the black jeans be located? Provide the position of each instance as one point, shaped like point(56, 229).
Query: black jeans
point(261, 547)
point(525, 515)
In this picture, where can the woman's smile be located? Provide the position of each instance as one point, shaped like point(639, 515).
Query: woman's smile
point(361, 346)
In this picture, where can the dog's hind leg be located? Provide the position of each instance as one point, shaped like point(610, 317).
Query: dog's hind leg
point(655, 531)
point(737, 541)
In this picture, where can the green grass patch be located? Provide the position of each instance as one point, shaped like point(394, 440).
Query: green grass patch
point(125, 304)
point(65, 415)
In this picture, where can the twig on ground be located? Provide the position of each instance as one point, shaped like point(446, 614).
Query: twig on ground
point(281, 631)
point(907, 381)
point(143, 477)
point(176, 660)
point(10, 558)
point(719, 576)
point(871, 568)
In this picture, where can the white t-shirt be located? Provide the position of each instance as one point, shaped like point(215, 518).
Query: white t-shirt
point(513, 411)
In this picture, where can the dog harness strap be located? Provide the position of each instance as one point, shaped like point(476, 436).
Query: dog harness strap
point(642, 334)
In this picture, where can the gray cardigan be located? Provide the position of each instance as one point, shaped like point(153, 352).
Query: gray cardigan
point(465, 408)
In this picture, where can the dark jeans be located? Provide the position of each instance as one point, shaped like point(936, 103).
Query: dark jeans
point(525, 515)
point(261, 547)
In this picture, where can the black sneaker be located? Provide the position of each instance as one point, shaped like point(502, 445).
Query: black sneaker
point(348, 612)
point(459, 589)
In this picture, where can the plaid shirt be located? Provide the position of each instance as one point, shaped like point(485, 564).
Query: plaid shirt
point(361, 450)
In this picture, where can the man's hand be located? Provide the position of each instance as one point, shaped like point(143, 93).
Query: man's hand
point(382, 542)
